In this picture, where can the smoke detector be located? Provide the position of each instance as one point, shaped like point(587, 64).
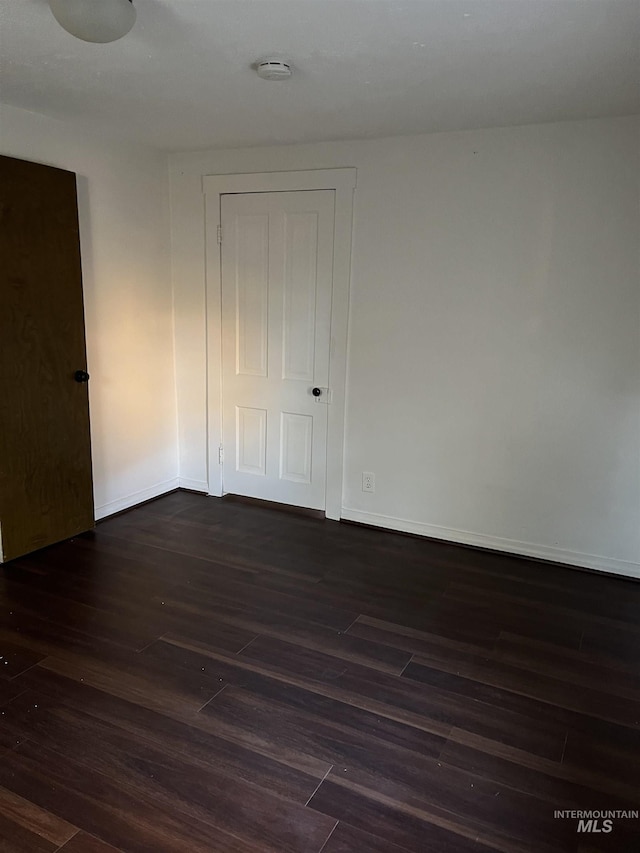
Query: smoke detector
point(273, 69)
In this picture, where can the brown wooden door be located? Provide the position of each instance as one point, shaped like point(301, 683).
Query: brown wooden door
point(46, 490)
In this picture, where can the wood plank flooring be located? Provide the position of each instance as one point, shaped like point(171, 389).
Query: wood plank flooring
point(200, 675)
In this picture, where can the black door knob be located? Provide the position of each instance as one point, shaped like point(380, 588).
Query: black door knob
point(81, 376)
point(316, 392)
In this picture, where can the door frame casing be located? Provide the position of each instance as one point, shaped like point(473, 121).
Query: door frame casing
point(343, 182)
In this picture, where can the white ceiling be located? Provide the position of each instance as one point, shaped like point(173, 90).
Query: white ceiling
point(182, 78)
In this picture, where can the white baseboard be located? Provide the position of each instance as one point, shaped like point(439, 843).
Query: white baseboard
point(496, 543)
point(193, 485)
point(135, 498)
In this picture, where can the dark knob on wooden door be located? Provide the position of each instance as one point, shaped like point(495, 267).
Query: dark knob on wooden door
point(316, 392)
point(81, 376)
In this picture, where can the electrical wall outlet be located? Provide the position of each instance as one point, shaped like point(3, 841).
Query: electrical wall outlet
point(368, 481)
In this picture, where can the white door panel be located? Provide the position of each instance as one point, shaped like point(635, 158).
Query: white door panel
point(277, 259)
point(252, 294)
point(251, 441)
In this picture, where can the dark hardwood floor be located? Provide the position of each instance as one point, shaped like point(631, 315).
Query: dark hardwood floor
point(200, 675)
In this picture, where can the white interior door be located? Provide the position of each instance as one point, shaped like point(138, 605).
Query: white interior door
point(277, 264)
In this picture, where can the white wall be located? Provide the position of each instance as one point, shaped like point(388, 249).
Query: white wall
point(124, 232)
point(494, 358)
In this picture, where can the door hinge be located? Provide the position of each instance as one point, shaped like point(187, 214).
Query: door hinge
point(220, 455)
point(219, 235)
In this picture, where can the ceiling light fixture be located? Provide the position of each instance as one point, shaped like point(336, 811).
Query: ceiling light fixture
point(98, 21)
